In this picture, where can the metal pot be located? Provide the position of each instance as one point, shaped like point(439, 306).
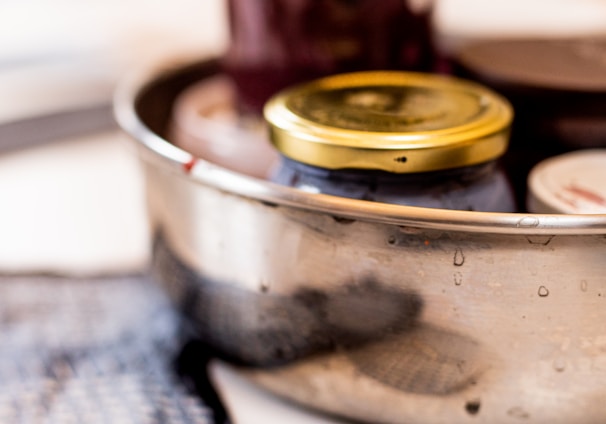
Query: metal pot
point(376, 312)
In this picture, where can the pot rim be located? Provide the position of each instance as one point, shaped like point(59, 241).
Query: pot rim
point(157, 150)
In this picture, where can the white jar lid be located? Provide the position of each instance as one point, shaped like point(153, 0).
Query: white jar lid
point(572, 183)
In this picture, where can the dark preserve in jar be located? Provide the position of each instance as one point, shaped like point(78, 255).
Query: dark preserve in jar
point(398, 137)
point(275, 43)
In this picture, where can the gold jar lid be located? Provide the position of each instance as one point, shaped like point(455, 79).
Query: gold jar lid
point(400, 122)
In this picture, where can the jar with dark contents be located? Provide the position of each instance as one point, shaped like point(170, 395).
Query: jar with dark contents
point(276, 43)
point(397, 137)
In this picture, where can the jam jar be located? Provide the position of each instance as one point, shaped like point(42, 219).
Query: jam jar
point(399, 137)
point(277, 43)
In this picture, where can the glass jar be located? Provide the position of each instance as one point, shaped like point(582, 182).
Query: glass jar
point(277, 43)
point(397, 137)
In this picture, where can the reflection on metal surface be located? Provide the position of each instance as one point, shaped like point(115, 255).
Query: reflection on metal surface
point(424, 360)
point(265, 329)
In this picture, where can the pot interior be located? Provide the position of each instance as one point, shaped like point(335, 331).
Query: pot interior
point(143, 106)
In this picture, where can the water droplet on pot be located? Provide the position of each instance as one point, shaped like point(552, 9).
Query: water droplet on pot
point(458, 278)
point(542, 240)
point(543, 291)
point(473, 406)
point(459, 257)
point(528, 222)
point(584, 285)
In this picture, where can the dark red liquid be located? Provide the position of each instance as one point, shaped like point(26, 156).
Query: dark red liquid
point(276, 43)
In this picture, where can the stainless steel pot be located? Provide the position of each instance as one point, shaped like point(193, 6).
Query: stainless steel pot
point(376, 312)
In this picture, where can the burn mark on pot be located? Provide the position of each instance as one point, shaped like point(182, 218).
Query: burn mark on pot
point(266, 329)
point(374, 325)
point(360, 313)
point(539, 239)
point(459, 257)
point(312, 299)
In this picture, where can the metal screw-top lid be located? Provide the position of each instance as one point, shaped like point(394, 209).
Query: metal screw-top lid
point(400, 122)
